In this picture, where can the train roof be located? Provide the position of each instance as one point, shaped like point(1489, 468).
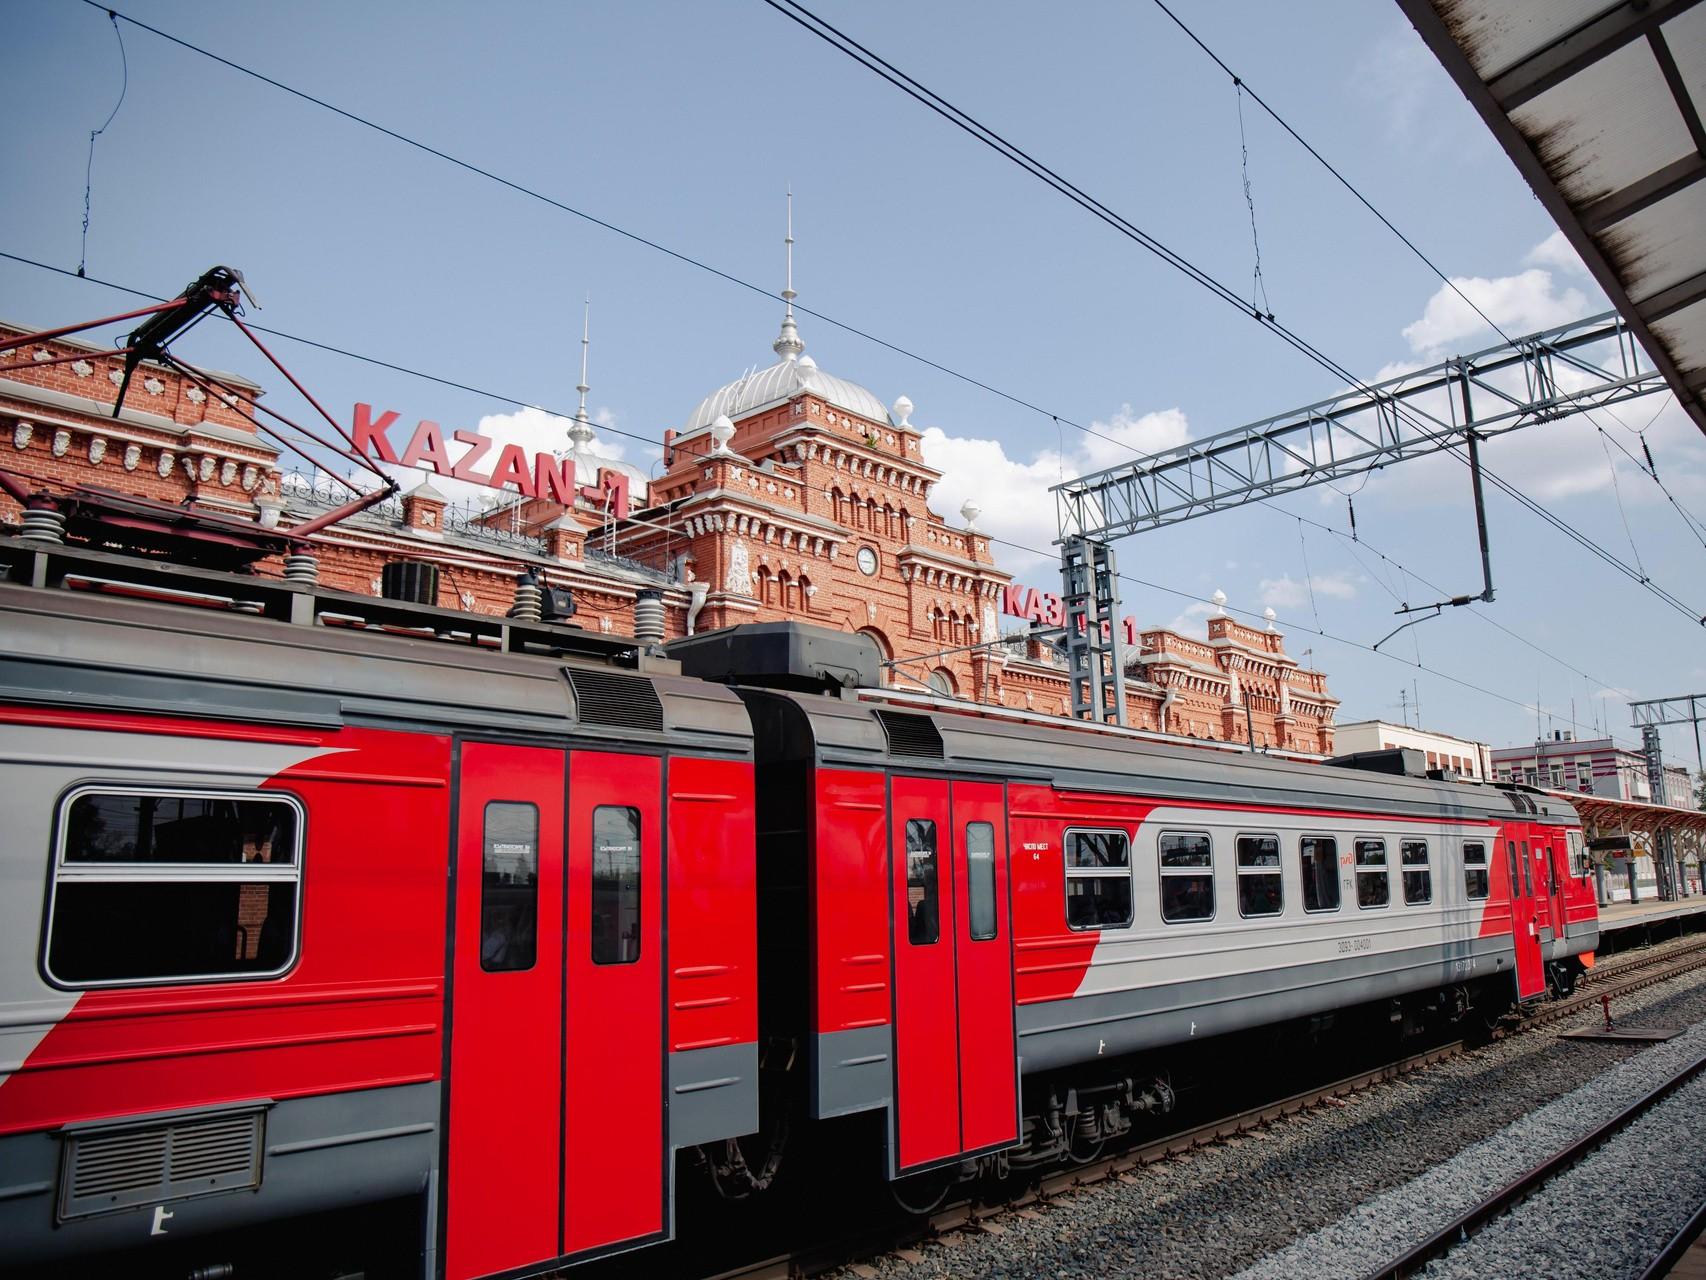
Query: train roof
point(91, 628)
point(874, 730)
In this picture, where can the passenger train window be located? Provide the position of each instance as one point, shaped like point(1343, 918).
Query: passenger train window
point(1527, 873)
point(615, 884)
point(1516, 876)
point(923, 918)
point(980, 883)
point(1475, 870)
point(1374, 884)
point(1259, 891)
point(156, 887)
point(1318, 859)
point(1418, 879)
point(1187, 876)
point(1098, 879)
point(509, 887)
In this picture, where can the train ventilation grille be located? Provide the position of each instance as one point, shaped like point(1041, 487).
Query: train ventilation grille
point(622, 702)
point(117, 1169)
point(915, 736)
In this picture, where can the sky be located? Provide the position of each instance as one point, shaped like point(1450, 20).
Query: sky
point(930, 265)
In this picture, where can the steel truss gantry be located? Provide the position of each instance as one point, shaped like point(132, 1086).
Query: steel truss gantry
point(1648, 716)
point(1590, 364)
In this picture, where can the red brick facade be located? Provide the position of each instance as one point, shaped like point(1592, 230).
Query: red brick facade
point(807, 510)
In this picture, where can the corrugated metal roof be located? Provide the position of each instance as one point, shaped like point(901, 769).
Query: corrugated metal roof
point(1600, 105)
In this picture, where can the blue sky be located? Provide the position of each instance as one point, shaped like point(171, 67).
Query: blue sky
point(684, 123)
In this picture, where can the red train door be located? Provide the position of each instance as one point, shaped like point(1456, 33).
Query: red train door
point(1554, 852)
point(955, 1061)
point(506, 1048)
point(548, 1010)
point(1525, 929)
point(613, 1136)
point(983, 944)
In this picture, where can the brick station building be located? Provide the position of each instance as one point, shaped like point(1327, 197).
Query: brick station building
point(788, 494)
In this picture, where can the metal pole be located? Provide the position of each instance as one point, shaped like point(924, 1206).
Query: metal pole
point(1475, 484)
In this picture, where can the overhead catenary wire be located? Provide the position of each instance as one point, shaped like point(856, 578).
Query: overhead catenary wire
point(873, 62)
point(1293, 625)
point(89, 165)
point(1244, 87)
point(1127, 577)
point(633, 236)
point(1155, 246)
point(989, 138)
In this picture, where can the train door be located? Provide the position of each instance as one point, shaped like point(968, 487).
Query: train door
point(548, 1008)
point(613, 1124)
point(955, 1059)
point(989, 1058)
point(1525, 932)
point(1554, 851)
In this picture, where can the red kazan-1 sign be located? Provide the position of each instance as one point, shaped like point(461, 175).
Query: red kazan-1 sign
point(544, 475)
point(1020, 601)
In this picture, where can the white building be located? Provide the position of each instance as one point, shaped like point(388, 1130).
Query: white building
point(1443, 751)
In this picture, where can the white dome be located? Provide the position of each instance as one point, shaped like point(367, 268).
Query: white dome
point(782, 381)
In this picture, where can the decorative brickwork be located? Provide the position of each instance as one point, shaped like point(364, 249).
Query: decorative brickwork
point(803, 508)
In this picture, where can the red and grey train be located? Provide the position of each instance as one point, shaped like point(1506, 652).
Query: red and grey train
point(310, 901)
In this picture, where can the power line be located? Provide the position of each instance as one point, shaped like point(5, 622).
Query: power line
point(939, 105)
point(887, 71)
point(1136, 581)
point(1321, 632)
point(1345, 182)
point(636, 238)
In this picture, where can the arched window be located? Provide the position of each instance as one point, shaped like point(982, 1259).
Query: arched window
point(806, 590)
point(766, 585)
point(785, 591)
point(888, 519)
point(941, 681)
point(885, 650)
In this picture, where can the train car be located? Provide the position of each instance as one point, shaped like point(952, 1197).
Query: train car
point(356, 902)
point(997, 912)
point(315, 901)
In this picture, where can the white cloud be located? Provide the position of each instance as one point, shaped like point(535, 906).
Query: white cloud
point(1286, 592)
point(1518, 304)
point(1014, 493)
point(1401, 77)
point(1186, 622)
point(533, 429)
point(1557, 251)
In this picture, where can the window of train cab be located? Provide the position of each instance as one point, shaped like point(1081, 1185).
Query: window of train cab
point(1098, 878)
point(1187, 876)
point(152, 885)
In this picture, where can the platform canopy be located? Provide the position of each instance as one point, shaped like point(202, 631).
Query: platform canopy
point(1623, 817)
point(1599, 104)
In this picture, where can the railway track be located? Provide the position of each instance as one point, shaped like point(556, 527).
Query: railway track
point(1608, 980)
point(1478, 1216)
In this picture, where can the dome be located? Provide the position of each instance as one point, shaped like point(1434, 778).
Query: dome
point(783, 381)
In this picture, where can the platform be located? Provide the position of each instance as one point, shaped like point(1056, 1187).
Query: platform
point(1686, 913)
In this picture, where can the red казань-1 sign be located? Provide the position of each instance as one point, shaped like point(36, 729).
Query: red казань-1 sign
point(539, 475)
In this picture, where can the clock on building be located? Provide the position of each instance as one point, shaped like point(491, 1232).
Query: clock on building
point(867, 562)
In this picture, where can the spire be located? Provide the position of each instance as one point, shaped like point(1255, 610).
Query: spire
point(788, 344)
point(580, 430)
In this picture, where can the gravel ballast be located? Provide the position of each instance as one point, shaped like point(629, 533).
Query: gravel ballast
point(1328, 1193)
